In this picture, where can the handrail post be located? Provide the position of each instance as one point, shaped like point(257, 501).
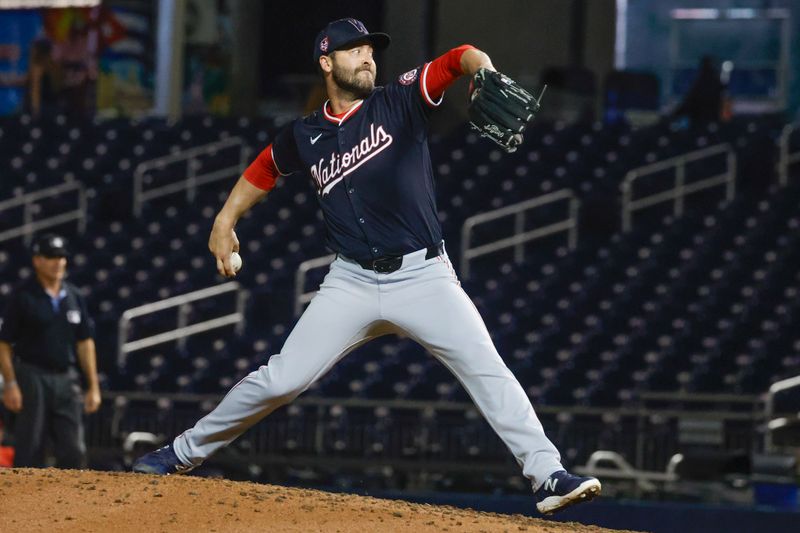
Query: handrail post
point(680, 179)
point(241, 302)
point(730, 189)
point(183, 320)
point(519, 227)
point(769, 406)
point(769, 410)
point(27, 217)
point(626, 202)
point(83, 206)
point(122, 337)
point(138, 175)
point(191, 179)
point(300, 288)
point(573, 230)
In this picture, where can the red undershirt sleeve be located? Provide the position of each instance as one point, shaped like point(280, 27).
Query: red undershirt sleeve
point(263, 172)
point(440, 73)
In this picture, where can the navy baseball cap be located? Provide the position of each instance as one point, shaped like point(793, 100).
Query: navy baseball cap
point(50, 245)
point(340, 33)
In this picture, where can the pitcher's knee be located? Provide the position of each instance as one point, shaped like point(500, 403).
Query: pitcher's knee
point(280, 386)
point(288, 392)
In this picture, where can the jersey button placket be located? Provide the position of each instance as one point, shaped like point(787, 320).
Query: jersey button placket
point(359, 217)
point(358, 214)
point(353, 197)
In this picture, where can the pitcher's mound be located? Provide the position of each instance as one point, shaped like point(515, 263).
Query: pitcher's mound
point(88, 501)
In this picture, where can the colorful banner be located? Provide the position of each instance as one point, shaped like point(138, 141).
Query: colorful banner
point(125, 78)
point(92, 59)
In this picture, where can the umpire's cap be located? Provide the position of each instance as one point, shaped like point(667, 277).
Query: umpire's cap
point(50, 245)
point(339, 33)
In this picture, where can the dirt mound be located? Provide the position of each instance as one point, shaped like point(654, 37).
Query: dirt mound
point(86, 501)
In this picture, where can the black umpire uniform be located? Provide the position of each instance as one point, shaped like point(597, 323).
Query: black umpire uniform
point(43, 330)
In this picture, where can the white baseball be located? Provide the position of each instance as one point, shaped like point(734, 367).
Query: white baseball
point(236, 262)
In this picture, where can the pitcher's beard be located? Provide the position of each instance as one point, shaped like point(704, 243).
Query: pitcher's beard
point(358, 87)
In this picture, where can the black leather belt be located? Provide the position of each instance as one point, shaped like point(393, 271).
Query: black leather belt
point(390, 263)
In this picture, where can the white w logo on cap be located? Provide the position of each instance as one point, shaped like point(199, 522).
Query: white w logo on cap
point(358, 25)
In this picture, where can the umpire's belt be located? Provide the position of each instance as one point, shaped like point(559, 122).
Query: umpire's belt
point(390, 263)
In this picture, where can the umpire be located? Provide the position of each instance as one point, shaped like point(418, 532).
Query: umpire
point(48, 331)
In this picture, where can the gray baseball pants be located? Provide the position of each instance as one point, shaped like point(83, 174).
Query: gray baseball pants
point(424, 301)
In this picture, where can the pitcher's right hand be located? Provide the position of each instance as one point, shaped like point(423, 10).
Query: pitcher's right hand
point(222, 243)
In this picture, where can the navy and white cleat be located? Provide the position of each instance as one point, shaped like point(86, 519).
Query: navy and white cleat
point(162, 462)
point(562, 489)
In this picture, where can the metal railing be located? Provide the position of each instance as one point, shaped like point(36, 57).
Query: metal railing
point(192, 180)
point(622, 469)
point(237, 318)
point(429, 434)
point(681, 189)
point(725, 421)
point(29, 226)
point(301, 297)
point(785, 156)
point(520, 236)
point(769, 408)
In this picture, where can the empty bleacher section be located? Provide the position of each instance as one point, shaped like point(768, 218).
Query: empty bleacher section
point(706, 302)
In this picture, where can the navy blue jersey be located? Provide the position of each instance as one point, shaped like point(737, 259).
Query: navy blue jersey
point(372, 170)
point(43, 330)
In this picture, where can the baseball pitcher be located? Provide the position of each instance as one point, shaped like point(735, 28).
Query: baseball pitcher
point(366, 153)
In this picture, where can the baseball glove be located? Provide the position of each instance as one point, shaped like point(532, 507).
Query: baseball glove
point(500, 109)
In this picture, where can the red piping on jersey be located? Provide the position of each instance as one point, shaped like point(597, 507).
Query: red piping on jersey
point(437, 76)
point(340, 117)
point(263, 172)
